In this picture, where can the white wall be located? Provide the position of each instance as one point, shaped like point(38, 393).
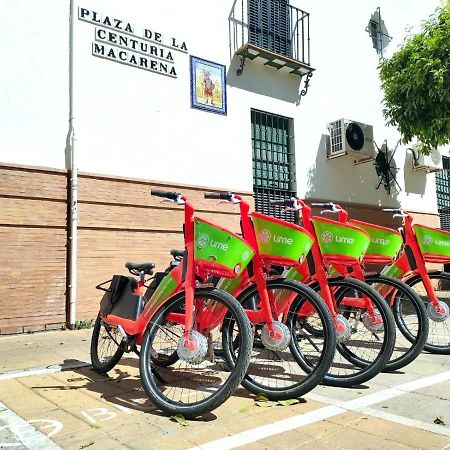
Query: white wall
point(346, 85)
point(34, 81)
point(135, 123)
point(130, 122)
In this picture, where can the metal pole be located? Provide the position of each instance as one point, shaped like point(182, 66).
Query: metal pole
point(73, 185)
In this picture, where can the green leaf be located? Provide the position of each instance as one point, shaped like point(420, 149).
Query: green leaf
point(265, 404)
point(179, 418)
point(247, 408)
point(261, 398)
point(289, 402)
point(95, 426)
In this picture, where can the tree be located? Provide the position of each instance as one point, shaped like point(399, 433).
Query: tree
point(416, 84)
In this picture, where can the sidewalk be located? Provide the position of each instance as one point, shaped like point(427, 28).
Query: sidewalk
point(23, 351)
point(27, 354)
point(51, 399)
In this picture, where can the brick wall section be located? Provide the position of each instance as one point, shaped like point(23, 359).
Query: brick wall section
point(32, 248)
point(120, 221)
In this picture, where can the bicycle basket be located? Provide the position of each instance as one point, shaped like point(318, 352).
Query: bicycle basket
point(434, 244)
point(340, 243)
point(281, 243)
point(385, 243)
point(218, 251)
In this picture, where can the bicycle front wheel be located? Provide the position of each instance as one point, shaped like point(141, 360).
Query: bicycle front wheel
point(197, 381)
point(410, 317)
point(438, 341)
point(280, 371)
point(364, 350)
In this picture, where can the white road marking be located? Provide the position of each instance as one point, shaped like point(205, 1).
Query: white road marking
point(301, 420)
point(124, 409)
point(24, 432)
point(13, 374)
point(438, 429)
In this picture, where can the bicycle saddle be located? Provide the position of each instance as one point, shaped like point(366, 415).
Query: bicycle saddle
point(140, 267)
point(175, 253)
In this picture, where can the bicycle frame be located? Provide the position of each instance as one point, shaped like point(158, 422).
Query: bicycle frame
point(314, 271)
point(270, 308)
point(411, 262)
point(180, 281)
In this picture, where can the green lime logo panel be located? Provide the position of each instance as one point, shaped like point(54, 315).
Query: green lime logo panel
point(382, 242)
point(433, 241)
point(293, 274)
point(164, 290)
point(393, 271)
point(277, 239)
point(339, 239)
point(216, 245)
point(229, 284)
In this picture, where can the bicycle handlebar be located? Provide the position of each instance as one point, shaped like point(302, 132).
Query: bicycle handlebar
point(219, 195)
point(397, 212)
point(174, 196)
point(329, 205)
point(284, 202)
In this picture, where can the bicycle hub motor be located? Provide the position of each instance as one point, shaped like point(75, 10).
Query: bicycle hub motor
point(270, 342)
point(343, 329)
point(439, 314)
point(194, 350)
point(373, 322)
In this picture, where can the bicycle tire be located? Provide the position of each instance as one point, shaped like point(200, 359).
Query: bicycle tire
point(160, 396)
point(410, 317)
point(104, 364)
point(438, 341)
point(270, 376)
point(362, 370)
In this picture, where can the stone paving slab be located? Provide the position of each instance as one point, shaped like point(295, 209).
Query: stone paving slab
point(97, 411)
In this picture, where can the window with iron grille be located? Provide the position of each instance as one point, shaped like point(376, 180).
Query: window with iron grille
point(443, 193)
point(269, 25)
point(273, 162)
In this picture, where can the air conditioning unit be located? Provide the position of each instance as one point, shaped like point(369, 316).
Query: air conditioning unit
point(351, 138)
point(428, 163)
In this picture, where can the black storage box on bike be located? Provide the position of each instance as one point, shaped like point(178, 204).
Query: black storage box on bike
point(120, 300)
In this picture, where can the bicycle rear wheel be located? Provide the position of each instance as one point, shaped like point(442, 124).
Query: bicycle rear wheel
point(280, 373)
point(367, 347)
point(106, 351)
point(410, 317)
point(438, 341)
point(199, 381)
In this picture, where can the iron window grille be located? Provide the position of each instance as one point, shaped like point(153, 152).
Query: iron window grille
point(443, 193)
point(273, 162)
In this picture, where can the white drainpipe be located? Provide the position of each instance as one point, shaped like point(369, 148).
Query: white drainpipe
point(73, 184)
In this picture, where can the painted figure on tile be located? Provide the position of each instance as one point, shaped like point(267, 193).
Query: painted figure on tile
point(208, 86)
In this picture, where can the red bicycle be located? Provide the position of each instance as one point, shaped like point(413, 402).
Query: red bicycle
point(407, 308)
point(364, 323)
point(180, 324)
point(426, 245)
point(282, 336)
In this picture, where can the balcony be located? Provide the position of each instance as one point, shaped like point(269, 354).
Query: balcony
point(272, 32)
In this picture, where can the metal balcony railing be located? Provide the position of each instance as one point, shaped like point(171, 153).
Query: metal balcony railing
point(273, 30)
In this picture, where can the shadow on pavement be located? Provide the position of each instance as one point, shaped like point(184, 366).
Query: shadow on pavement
point(121, 386)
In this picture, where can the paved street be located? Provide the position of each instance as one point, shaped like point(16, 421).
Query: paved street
point(61, 402)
